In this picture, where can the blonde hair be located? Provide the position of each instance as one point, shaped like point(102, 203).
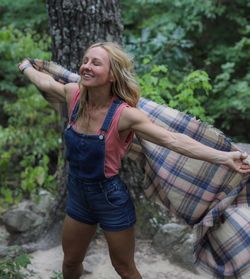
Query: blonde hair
point(125, 85)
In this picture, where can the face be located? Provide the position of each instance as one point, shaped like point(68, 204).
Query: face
point(95, 68)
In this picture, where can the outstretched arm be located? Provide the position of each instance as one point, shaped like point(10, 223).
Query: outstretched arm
point(136, 120)
point(53, 91)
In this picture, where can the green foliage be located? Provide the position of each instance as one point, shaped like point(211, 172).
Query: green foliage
point(15, 268)
point(187, 96)
point(27, 142)
point(162, 28)
point(29, 137)
point(15, 46)
point(155, 83)
point(150, 218)
point(24, 14)
point(57, 275)
point(188, 35)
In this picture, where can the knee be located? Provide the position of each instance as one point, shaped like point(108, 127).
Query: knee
point(126, 271)
point(71, 262)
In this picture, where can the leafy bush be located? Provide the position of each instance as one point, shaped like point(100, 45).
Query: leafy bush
point(29, 135)
point(24, 13)
point(28, 141)
point(14, 46)
point(15, 268)
point(188, 96)
point(212, 36)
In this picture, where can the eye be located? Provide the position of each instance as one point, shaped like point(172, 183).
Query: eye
point(96, 62)
point(85, 61)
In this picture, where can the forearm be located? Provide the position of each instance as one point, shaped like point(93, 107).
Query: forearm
point(52, 91)
point(189, 147)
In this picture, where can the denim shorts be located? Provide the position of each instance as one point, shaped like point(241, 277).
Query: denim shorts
point(107, 203)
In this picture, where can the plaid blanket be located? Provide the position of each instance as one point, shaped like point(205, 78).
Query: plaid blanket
point(213, 199)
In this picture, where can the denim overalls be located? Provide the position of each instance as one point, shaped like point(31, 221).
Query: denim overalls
point(93, 198)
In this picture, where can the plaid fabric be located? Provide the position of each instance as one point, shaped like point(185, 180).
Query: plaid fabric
point(211, 198)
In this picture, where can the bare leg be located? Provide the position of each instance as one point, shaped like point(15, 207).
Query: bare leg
point(75, 242)
point(121, 249)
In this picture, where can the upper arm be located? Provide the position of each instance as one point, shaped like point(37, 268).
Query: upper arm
point(57, 93)
point(53, 91)
point(133, 118)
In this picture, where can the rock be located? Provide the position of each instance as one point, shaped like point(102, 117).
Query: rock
point(183, 254)
point(168, 236)
point(17, 221)
point(10, 251)
point(176, 242)
point(44, 202)
point(4, 236)
point(28, 214)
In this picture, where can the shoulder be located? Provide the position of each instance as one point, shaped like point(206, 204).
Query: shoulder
point(131, 113)
point(131, 116)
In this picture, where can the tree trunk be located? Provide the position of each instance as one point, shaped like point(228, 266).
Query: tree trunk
point(75, 24)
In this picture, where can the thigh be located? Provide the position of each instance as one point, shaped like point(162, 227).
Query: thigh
point(113, 207)
point(121, 246)
point(76, 238)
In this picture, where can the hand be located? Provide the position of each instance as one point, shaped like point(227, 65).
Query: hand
point(37, 64)
point(238, 161)
point(24, 65)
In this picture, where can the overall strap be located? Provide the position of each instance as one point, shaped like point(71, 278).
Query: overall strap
point(74, 113)
point(108, 119)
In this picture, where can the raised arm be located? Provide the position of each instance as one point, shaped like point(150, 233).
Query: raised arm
point(54, 92)
point(136, 120)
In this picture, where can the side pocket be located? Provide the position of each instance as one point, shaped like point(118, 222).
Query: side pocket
point(117, 197)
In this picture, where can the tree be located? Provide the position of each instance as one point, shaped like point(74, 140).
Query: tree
point(74, 25)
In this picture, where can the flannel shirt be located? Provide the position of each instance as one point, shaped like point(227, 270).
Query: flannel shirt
point(211, 198)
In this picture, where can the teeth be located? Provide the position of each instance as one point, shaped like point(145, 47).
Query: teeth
point(87, 75)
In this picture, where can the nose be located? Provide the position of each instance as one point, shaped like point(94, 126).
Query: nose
point(85, 66)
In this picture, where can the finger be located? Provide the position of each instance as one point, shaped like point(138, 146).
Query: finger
point(245, 167)
point(244, 171)
point(246, 158)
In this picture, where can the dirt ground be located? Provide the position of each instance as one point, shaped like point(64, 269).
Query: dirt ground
point(151, 264)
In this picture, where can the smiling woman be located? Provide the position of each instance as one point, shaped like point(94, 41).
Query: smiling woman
point(95, 68)
point(102, 121)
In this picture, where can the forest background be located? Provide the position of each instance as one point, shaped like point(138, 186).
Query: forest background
point(191, 55)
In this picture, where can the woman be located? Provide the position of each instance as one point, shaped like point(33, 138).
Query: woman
point(102, 120)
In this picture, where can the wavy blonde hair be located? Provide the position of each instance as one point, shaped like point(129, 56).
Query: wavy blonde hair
point(125, 85)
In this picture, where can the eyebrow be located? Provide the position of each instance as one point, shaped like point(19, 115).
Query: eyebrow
point(94, 59)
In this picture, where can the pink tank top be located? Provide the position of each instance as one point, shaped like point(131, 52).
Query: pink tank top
point(115, 147)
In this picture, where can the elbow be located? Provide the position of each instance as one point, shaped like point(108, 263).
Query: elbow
point(170, 141)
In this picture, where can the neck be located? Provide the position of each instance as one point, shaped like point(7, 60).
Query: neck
point(98, 98)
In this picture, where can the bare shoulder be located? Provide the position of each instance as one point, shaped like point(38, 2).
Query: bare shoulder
point(70, 89)
point(131, 116)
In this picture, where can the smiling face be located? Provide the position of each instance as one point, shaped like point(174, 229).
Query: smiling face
point(95, 69)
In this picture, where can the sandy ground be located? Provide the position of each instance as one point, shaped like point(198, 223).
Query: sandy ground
point(151, 264)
